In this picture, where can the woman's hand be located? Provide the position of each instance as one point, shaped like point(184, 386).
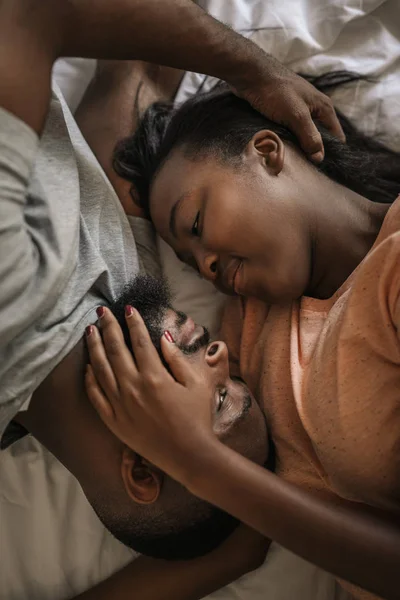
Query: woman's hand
point(167, 421)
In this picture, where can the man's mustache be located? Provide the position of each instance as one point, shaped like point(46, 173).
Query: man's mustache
point(201, 342)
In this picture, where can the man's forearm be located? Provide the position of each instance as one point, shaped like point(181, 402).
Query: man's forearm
point(176, 33)
point(118, 95)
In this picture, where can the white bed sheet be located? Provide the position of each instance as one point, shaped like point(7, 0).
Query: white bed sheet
point(52, 545)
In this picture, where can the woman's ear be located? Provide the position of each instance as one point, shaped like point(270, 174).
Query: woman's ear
point(269, 146)
point(142, 480)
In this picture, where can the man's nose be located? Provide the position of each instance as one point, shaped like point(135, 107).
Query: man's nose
point(217, 355)
point(207, 263)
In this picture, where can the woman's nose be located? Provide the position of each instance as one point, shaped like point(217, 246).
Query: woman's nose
point(207, 263)
point(217, 355)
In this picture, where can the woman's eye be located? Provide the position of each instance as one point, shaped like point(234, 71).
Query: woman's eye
point(195, 226)
point(222, 394)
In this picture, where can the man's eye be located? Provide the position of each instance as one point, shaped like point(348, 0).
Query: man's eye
point(222, 394)
point(195, 226)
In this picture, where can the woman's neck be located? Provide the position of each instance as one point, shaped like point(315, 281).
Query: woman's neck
point(346, 226)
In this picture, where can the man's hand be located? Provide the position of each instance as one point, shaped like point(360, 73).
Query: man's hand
point(179, 34)
point(176, 33)
point(290, 100)
point(167, 421)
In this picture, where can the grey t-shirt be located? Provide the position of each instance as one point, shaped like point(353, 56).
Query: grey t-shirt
point(66, 246)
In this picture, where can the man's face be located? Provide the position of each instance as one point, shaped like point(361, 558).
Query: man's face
point(237, 419)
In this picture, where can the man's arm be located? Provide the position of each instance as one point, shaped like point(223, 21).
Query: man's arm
point(179, 34)
point(29, 44)
point(116, 98)
point(150, 579)
point(176, 33)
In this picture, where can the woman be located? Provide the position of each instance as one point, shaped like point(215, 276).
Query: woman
point(235, 197)
point(333, 362)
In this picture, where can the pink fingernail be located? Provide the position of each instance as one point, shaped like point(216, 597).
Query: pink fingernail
point(128, 310)
point(169, 337)
point(100, 311)
point(89, 330)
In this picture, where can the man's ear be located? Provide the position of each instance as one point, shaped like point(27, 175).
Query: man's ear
point(269, 146)
point(142, 480)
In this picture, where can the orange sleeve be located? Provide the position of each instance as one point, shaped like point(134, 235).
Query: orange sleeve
point(353, 386)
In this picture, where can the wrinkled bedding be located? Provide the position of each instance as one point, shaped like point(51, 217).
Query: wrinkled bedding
point(52, 545)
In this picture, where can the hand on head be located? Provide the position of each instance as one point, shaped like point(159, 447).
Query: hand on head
point(140, 401)
point(288, 99)
point(171, 418)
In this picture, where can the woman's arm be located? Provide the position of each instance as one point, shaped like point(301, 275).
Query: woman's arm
point(150, 579)
point(356, 544)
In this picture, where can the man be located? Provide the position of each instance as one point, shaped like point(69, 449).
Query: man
point(144, 509)
point(65, 243)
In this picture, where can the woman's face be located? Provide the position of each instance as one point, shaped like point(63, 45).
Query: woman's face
point(241, 228)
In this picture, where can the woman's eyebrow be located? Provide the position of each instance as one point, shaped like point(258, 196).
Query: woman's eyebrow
point(174, 210)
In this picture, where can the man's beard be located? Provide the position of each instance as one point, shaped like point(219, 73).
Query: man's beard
point(152, 298)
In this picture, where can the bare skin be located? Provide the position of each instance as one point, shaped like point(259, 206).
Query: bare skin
point(112, 105)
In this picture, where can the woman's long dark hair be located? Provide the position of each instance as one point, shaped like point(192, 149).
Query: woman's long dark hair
point(221, 124)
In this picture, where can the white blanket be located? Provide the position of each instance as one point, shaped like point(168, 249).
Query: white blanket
point(52, 546)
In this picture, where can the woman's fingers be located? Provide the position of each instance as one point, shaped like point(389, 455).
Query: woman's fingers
point(102, 369)
point(118, 354)
point(180, 366)
point(146, 356)
point(95, 394)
